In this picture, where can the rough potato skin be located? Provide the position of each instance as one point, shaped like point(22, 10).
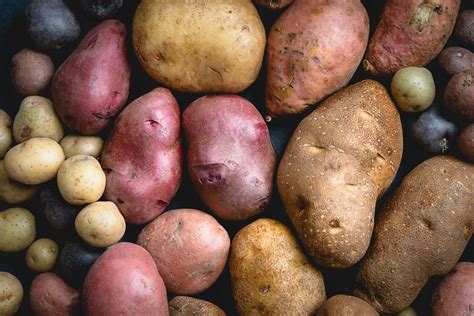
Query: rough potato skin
point(340, 159)
point(459, 96)
point(190, 306)
point(454, 60)
point(346, 305)
point(313, 50)
point(91, 86)
point(274, 4)
point(422, 231)
point(270, 273)
point(124, 281)
point(410, 33)
point(31, 72)
point(51, 296)
point(231, 159)
point(455, 294)
point(142, 157)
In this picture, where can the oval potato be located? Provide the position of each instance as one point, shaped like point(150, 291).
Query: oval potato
point(6, 135)
point(11, 294)
point(186, 305)
point(73, 145)
point(13, 192)
point(17, 228)
point(42, 254)
point(346, 305)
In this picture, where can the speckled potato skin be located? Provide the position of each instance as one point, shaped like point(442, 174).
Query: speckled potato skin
point(124, 281)
point(6, 135)
point(454, 60)
point(410, 33)
point(42, 254)
point(13, 192)
point(201, 46)
point(190, 306)
point(270, 274)
point(51, 296)
point(231, 159)
point(142, 157)
point(314, 48)
point(274, 4)
point(346, 305)
point(422, 231)
point(82, 145)
point(189, 247)
point(17, 228)
point(91, 86)
point(10, 287)
point(31, 71)
point(459, 96)
point(340, 159)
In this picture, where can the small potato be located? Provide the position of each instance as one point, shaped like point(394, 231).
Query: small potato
point(409, 311)
point(454, 60)
point(274, 4)
point(347, 306)
point(186, 306)
point(11, 294)
point(464, 29)
point(75, 261)
point(73, 145)
point(13, 192)
point(59, 214)
point(101, 9)
point(413, 89)
point(17, 229)
point(100, 224)
point(34, 161)
point(81, 180)
point(466, 143)
point(459, 96)
point(31, 71)
point(6, 136)
point(41, 256)
point(36, 118)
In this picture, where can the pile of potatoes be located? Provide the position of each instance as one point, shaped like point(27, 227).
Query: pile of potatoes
point(143, 174)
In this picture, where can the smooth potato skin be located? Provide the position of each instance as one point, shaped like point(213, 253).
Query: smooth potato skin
point(274, 4)
point(6, 134)
point(91, 86)
point(231, 159)
point(31, 72)
point(190, 306)
point(454, 60)
point(18, 229)
point(82, 145)
point(124, 281)
point(11, 292)
point(13, 192)
point(422, 231)
point(42, 254)
point(346, 305)
point(314, 48)
point(459, 96)
point(142, 157)
point(410, 33)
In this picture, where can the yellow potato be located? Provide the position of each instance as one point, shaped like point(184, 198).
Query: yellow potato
point(13, 192)
point(42, 255)
point(82, 145)
point(17, 229)
point(11, 294)
point(6, 137)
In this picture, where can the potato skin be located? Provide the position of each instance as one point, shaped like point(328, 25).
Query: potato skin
point(464, 29)
point(466, 143)
point(6, 135)
point(31, 71)
point(413, 89)
point(422, 231)
point(13, 192)
point(336, 166)
point(201, 46)
point(454, 60)
point(82, 145)
point(142, 157)
point(274, 4)
point(190, 306)
point(410, 33)
point(189, 247)
point(231, 159)
point(459, 96)
point(51, 296)
point(346, 305)
point(314, 48)
point(10, 286)
point(18, 230)
point(124, 281)
point(91, 86)
point(42, 254)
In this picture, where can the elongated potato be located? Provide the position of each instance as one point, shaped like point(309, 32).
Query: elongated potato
point(422, 231)
point(6, 135)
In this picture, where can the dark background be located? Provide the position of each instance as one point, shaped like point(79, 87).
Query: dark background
point(13, 38)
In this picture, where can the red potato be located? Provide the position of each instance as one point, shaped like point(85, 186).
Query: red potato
point(454, 60)
point(459, 96)
point(231, 160)
point(314, 49)
point(124, 281)
point(410, 33)
point(91, 86)
point(142, 157)
point(51, 296)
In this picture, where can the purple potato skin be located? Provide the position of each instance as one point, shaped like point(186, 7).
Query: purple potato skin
point(59, 214)
point(459, 96)
point(466, 143)
point(454, 60)
point(464, 29)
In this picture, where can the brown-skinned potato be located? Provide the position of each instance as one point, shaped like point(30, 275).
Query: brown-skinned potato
point(190, 306)
point(346, 305)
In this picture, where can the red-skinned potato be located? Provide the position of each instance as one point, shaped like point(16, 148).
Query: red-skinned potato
point(459, 96)
point(231, 160)
point(91, 86)
point(142, 157)
point(274, 4)
point(124, 281)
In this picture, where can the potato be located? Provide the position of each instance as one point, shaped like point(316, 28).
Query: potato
point(59, 214)
point(270, 273)
point(459, 96)
point(347, 306)
point(41, 256)
point(75, 261)
point(464, 29)
point(36, 118)
point(410, 33)
point(274, 4)
point(409, 311)
point(81, 180)
point(307, 60)
point(34, 161)
point(91, 86)
point(466, 143)
point(31, 71)
point(422, 231)
point(50, 295)
point(124, 281)
point(11, 294)
point(413, 89)
point(340, 159)
point(17, 228)
point(100, 224)
point(190, 306)
point(101, 9)
point(142, 157)
point(199, 46)
point(455, 294)
point(73, 145)
point(454, 60)
point(231, 160)
point(189, 247)
point(13, 192)
point(6, 136)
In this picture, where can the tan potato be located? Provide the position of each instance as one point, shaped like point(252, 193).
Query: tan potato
point(13, 192)
point(42, 255)
point(347, 306)
point(6, 136)
point(11, 294)
point(17, 228)
point(81, 180)
point(413, 89)
point(190, 306)
point(73, 145)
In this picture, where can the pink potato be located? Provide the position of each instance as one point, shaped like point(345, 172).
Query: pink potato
point(91, 86)
point(124, 281)
point(142, 157)
point(190, 249)
point(231, 160)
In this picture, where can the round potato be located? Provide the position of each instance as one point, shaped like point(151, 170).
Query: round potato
point(36, 118)
point(185, 305)
point(413, 89)
point(17, 228)
point(11, 294)
point(459, 96)
point(100, 224)
point(464, 29)
point(454, 60)
point(31, 71)
point(81, 180)
point(73, 145)
point(409, 311)
point(59, 214)
point(347, 306)
point(274, 4)
point(6, 136)
point(13, 192)
point(34, 161)
point(75, 261)
point(42, 255)
point(466, 143)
